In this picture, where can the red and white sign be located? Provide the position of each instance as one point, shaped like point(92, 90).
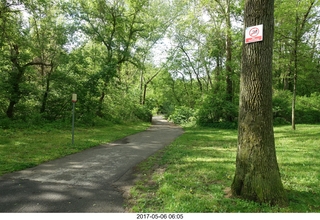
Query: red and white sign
point(254, 34)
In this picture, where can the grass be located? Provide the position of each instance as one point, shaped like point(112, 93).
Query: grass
point(28, 147)
point(194, 174)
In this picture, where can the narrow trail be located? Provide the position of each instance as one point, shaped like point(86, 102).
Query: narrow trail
point(88, 181)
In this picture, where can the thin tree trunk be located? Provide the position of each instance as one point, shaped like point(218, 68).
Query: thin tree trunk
point(144, 94)
point(209, 84)
point(298, 35)
point(100, 106)
point(141, 88)
point(286, 78)
point(295, 74)
point(217, 75)
point(193, 69)
point(294, 97)
point(257, 175)
point(10, 109)
point(229, 88)
point(15, 78)
point(174, 91)
point(46, 93)
point(15, 93)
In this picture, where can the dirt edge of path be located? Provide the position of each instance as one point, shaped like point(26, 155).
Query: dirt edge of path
point(136, 174)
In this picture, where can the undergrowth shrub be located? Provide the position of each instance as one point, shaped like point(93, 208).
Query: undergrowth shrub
point(143, 113)
point(281, 107)
point(307, 110)
point(119, 109)
point(182, 114)
point(217, 112)
point(167, 109)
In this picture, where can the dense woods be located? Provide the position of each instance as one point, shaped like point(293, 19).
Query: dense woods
point(126, 59)
point(129, 59)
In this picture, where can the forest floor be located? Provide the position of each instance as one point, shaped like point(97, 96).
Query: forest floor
point(81, 182)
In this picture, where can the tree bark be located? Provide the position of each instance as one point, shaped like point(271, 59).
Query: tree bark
point(144, 94)
point(10, 109)
point(141, 88)
point(47, 88)
point(257, 176)
point(15, 93)
point(229, 89)
point(295, 74)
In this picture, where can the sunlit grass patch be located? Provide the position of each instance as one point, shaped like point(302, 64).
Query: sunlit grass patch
point(24, 148)
point(198, 169)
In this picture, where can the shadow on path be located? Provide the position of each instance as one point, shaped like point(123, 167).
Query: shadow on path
point(85, 181)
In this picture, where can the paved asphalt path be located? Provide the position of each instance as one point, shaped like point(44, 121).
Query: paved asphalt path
point(90, 181)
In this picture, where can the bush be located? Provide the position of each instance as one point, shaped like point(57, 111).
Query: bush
point(216, 111)
point(308, 109)
point(182, 115)
point(167, 109)
point(281, 107)
point(143, 113)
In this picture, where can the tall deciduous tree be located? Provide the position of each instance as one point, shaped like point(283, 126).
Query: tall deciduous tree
point(17, 50)
point(298, 33)
point(224, 9)
point(118, 25)
point(49, 36)
point(257, 175)
point(294, 20)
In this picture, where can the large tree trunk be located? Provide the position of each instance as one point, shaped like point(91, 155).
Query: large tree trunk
point(257, 175)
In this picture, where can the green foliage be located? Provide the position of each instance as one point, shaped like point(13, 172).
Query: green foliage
point(143, 113)
point(281, 106)
point(122, 109)
point(166, 108)
point(182, 115)
point(105, 48)
point(217, 112)
point(296, 53)
point(307, 108)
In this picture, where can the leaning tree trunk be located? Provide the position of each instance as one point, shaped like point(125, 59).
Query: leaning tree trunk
point(257, 175)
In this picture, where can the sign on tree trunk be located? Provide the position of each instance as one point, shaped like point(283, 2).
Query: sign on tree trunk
point(257, 175)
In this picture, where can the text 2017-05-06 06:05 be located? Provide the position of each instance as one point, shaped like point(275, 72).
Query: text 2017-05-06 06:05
point(159, 216)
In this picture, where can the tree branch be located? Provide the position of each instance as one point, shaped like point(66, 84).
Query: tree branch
point(38, 63)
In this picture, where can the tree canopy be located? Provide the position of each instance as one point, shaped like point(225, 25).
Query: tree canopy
point(126, 58)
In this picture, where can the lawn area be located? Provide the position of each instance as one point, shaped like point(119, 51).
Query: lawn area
point(194, 174)
point(28, 147)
